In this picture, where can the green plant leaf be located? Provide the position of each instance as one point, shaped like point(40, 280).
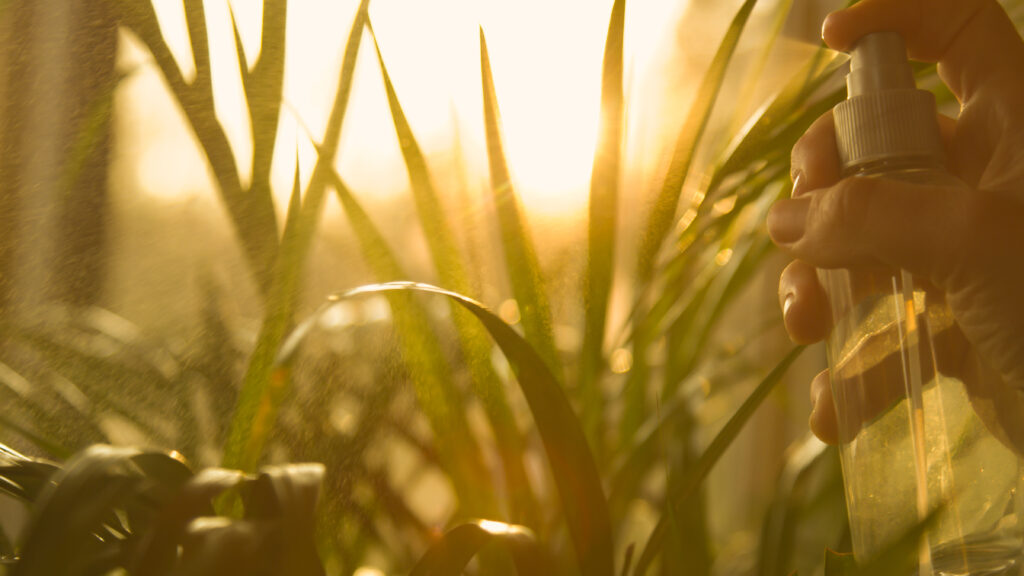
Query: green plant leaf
point(88, 348)
point(663, 212)
point(692, 330)
point(686, 298)
point(689, 542)
point(252, 216)
point(476, 347)
point(263, 89)
point(777, 122)
point(288, 496)
point(218, 545)
point(569, 456)
point(638, 458)
point(95, 125)
point(435, 391)
point(243, 62)
point(747, 93)
point(680, 494)
point(42, 414)
point(604, 197)
point(263, 86)
point(449, 555)
point(195, 18)
point(262, 388)
point(22, 477)
point(329, 145)
point(808, 512)
point(156, 551)
point(767, 138)
point(520, 254)
point(81, 497)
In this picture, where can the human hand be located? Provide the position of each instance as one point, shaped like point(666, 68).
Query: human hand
point(968, 243)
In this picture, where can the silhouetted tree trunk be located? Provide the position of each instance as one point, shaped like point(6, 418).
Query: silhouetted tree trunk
point(57, 79)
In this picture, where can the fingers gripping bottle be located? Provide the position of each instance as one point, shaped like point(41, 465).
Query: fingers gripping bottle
point(912, 445)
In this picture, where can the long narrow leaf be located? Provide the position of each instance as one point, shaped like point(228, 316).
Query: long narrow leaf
point(263, 92)
point(195, 18)
point(452, 274)
point(520, 254)
point(694, 331)
point(604, 196)
point(569, 456)
point(262, 390)
point(431, 373)
point(680, 494)
point(746, 95)
point(253, 217)
point(660, 220)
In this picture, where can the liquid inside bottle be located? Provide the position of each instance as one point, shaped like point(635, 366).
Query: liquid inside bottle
point(913, 447)
point(907, 385)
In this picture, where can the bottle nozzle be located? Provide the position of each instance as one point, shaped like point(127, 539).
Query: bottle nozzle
point(884, 116)
point(878, 62)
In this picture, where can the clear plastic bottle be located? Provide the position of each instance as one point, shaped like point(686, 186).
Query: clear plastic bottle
point(910, 440)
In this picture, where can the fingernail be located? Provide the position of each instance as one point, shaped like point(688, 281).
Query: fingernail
point(787, 220)
point(798, 185)
point(787, 303)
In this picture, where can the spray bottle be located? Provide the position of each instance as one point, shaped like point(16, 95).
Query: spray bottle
point(911, 445)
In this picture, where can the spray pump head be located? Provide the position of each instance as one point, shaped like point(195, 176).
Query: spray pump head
point(885, 117)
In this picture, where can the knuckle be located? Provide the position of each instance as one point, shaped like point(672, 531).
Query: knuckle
point(810, 152)
point(847, 207)
point(989, 229)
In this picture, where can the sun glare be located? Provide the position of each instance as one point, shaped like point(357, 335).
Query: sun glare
point(546, 58)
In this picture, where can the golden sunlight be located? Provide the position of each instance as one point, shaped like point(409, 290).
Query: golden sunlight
point(546, 58)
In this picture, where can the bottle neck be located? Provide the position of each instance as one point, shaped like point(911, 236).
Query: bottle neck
point(896, 165)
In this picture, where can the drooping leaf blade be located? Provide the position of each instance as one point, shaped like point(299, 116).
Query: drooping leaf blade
point(569, 455)
point(421, 350)
point(476, 348)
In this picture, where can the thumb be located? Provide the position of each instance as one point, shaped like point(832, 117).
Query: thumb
point(875, 221)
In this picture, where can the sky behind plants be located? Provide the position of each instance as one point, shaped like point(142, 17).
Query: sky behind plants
point(547, 74)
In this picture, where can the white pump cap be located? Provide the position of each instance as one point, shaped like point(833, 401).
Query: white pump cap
point(884, 116)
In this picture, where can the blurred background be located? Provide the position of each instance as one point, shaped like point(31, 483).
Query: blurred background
point(107, 201)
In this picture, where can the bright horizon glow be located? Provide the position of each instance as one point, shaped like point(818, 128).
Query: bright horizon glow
point(547, 72)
